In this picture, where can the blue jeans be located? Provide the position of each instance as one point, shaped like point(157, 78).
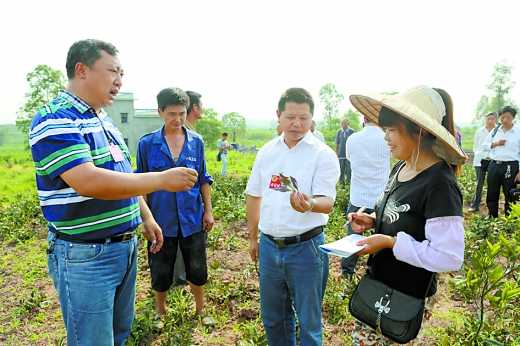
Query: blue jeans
point(292, 279)
point(96, 289)
point(223, 157)
point(348, 265)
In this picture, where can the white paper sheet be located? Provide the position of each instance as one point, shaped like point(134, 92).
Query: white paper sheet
point(345, 247)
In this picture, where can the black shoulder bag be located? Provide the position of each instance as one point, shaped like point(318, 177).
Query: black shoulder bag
point(395, 314)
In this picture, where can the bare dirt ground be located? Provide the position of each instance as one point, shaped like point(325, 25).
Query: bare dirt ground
point(30, 314)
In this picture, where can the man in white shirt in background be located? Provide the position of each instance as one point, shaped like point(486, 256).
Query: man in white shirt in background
point(481, 157)
point(505, 156)
point(317, 132)
point(293, 271)
point(369, 158)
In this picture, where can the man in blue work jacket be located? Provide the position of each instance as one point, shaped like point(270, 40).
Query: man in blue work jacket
point(185, 216)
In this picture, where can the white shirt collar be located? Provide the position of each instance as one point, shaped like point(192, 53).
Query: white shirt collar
point(308, 139)
point(514, 128)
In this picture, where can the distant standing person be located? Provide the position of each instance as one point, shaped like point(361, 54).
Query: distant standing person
point(317, 132)
point(481, 157)
point(458, 135)
point(505, 156)
point(194, 110)
point(341, 139)
point(278, 131)
point(369, 157)
point(223, 147)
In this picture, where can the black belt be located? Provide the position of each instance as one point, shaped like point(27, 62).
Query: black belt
point(284, 241)
point(498, 162)
point(113, 239)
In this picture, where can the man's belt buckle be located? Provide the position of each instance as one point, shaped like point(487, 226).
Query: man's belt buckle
point(280, 242)
point(127, 236)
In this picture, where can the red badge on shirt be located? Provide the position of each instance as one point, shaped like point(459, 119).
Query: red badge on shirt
point(275, 182)
point(283, 183)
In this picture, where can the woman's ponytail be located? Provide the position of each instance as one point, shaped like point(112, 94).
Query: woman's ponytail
point(447, 121)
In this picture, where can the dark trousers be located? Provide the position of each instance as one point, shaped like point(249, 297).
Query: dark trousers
point(481, 178)
point(348, 265)
point(345, 172)
point(500, 175)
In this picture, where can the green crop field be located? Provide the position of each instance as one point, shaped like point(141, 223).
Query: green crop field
point(486, 287)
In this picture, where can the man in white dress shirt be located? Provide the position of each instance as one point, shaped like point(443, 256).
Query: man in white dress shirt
point(481, 157)
point(293, 271)
point(503, 172)
point(369, 158)
point(317, 132)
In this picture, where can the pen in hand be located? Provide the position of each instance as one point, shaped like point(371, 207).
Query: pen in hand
point(361, 210)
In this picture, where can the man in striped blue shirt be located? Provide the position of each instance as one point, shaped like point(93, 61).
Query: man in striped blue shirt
point(88, 192)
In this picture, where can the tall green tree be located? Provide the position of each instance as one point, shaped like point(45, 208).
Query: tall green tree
point(235, 124)
point(44, 84)
point(331, 99)
point(209, 127)
point(499, 91)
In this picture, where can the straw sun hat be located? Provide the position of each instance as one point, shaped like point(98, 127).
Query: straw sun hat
point(421, 105)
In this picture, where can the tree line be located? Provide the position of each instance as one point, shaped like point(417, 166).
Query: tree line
point(44, 83)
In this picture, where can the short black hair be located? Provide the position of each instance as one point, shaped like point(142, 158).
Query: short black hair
point(87, 52)
point(508, 109)
point(492, 114)
point(389, 118)
point(172, 97)
point(194, 99)
point(224, 134)
point(296, 95)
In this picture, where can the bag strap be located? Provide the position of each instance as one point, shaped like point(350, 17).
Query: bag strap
point(429, 285)
point(495, 130)
point(391, 189)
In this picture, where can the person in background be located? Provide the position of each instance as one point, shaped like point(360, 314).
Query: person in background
point(481, 158)
point(223, 146)
point(369, 158)
point(194, 110)
point(194, 114)
point(341, 139)
point(458, 135)
point(278, 130)
point(184, 217)
point(504, 146)
point(317, 132)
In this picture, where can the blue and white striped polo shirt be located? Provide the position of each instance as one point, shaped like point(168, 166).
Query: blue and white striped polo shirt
point(65, 133)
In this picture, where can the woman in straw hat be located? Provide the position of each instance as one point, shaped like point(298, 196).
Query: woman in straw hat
point(419, 231)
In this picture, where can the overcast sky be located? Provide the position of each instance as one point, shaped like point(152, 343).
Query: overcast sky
point(241, 55)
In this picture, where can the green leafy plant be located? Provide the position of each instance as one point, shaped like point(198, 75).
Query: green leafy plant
point(490, 281)
point(21, 219)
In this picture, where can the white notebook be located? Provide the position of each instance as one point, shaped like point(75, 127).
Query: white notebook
point(345, 247)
